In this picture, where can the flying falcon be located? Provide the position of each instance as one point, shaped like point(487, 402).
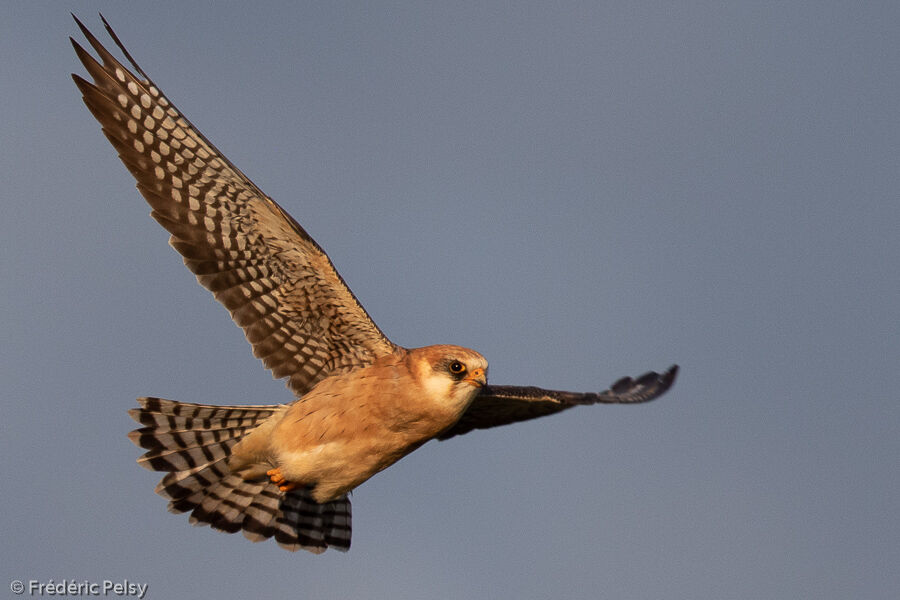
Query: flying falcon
point(362, 402)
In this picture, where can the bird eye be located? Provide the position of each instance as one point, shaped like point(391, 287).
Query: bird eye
point(457, 367)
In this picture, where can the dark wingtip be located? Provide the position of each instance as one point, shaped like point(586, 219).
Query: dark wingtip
point(81, 26)
point(662, 382)
point(669, 376)
point(649, 386)
point(118, 42)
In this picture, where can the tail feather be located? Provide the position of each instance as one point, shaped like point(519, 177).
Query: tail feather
point(224, 505)
point(165, 416)
point(192, 443)
point(216, 506)
point(260, 516)
point(332, 525)
point(178, 484)
point(249, 414)
point(150, 438)
point(162, 458)
point(185, 459)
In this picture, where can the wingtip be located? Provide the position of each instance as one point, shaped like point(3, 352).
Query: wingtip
point(649, 386)
point(122, 48)
point(664, 381)
point(671, 374)
point(81, 26)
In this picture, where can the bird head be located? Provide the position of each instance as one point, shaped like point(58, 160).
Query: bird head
point(450, 375)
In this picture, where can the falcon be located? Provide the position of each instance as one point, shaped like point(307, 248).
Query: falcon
point(361, 402)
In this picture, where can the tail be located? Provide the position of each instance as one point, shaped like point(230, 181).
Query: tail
point(193, 442)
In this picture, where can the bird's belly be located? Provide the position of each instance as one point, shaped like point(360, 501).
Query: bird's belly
point(336, 467)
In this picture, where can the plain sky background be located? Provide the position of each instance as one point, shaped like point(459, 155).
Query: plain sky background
point(580, 191)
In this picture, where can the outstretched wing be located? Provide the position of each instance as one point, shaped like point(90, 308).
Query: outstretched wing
point(278, 284)
point(501, 405)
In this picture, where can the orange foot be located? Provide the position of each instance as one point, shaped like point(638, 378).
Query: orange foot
point(279, 480)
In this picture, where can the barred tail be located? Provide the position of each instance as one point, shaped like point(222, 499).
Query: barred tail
point(192, 442)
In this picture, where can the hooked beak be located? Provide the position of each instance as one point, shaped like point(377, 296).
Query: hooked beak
point(477, 377)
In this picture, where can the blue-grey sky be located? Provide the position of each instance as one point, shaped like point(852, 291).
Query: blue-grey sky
point(580, 191)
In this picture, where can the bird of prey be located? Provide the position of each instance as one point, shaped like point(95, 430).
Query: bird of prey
point(361, 401)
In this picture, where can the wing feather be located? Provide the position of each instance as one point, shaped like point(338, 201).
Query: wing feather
point(502, 405)
point(277, 283)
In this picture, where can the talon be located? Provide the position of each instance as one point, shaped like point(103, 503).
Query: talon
point(275, 475)
point(278, 479)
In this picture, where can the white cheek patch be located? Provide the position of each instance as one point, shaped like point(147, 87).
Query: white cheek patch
point(460, 395)
point(437, 387)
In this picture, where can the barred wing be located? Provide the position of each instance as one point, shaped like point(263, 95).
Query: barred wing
point(501, 405)
point(278, 284)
